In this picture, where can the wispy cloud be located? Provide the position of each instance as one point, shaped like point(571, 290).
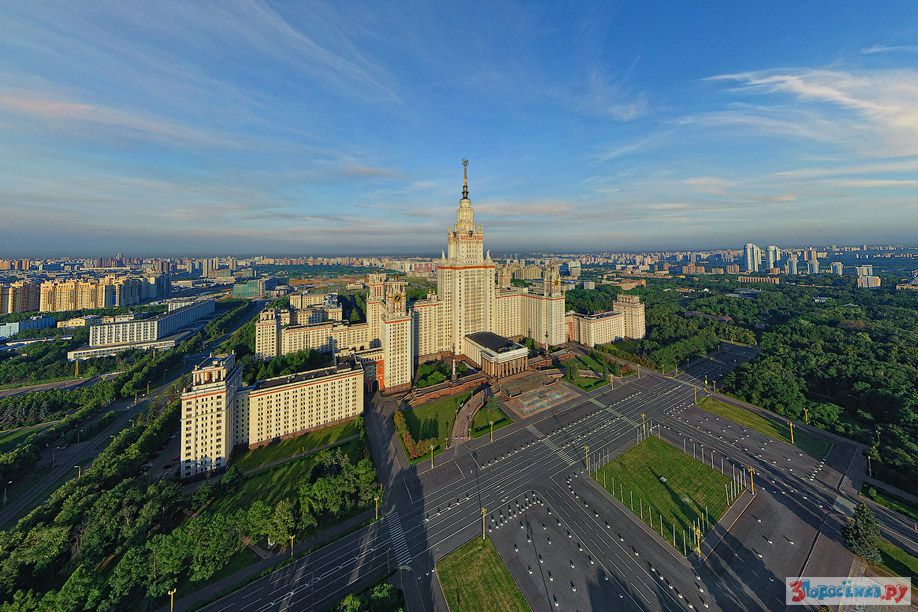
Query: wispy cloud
point(69, 114)
point(886, 100)
point(889, 49)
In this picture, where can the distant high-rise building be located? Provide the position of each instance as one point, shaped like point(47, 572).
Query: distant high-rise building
point(868, 282)
point(812, 266)
point(866, 270)
point(752, 257)
point(792, 266)
point(772, 256)
point(837, 268)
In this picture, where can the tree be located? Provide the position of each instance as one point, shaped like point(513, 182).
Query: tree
point(351, 603)
point(203, 495)
point(258, 520)
point(863, 533)
point(282, 523)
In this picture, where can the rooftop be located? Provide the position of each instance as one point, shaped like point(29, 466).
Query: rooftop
point(343, 366)
point(492, 341)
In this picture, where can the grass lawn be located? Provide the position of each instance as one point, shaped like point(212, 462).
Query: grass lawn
point(293, 447)
point(896, 561)
point(474, 578)
point(628, 346)
point(690, 487)
point(10, 439)
point(890, 501)
point(588, 384)
point(435, 419)
point(480, 425)
point(276, 483)
point(776, 429)
point(590, 363)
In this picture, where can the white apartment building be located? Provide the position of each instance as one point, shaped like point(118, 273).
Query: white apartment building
point(218, 413)
point(138, 331)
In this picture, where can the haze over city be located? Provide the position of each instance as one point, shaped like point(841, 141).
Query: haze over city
point(283, 128)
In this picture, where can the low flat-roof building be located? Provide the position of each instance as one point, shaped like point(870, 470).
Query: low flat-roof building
point(495, 355)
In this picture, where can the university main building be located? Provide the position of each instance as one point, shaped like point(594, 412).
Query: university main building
point(471, 317)
point(452, 321)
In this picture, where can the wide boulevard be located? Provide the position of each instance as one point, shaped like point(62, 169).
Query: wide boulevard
point(568, 544)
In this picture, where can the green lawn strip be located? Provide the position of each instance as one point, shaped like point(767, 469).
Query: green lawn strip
point(590, 363)
point(890, 501)
point(435, 419)
point(897, 562)
point(690, 487)
point(292, 447)
point(475, 578)
point(279, 482)
point(9, 439)
point(480, 425)
point(773, 428)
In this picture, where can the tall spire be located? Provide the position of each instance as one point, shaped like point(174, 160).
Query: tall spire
point(465, 178)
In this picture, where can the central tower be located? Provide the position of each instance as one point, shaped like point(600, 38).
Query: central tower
point(465, 276)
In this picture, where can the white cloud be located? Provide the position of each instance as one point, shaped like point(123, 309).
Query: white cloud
point(881, 105)
point(872, 50)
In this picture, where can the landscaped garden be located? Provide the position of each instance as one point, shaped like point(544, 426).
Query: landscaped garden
point(492, 411)
point(428, 424)
point(435, 372)
point(572, 372)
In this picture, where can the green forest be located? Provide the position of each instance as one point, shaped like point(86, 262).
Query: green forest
point(847, 356)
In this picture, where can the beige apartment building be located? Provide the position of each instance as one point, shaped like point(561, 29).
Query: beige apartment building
point(61, 295)
point(218, 413)
point(467, 301)
point(19, 296)
point(625, 320)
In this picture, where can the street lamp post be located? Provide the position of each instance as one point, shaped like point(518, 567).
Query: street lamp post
point(376, 507)
point(790, 424)
point(484, 513)
point(172, 600)
point(79, 471)
point(4, 492)
point(432, 447)
point(491, 423)
point(291, 546)
point(586, 449)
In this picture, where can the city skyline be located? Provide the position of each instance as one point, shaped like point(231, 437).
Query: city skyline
point(281, 129)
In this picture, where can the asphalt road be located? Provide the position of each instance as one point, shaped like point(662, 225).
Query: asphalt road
point(530, 481)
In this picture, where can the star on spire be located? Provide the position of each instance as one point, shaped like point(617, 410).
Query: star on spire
point(465, 178)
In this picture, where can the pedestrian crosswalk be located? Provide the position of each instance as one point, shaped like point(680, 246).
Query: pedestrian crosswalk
point(561, 453)
point(397, 536)
point(532, 429)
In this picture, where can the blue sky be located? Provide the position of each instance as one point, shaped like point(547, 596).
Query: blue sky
point(302, 128)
